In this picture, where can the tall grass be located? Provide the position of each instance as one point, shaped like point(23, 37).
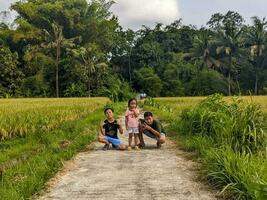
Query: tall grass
point(229, 135)
point(239, 176)
point(236, 124)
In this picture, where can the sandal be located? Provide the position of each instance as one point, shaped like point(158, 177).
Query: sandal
point(106, 147)
point(141, 146)
point(158, 145)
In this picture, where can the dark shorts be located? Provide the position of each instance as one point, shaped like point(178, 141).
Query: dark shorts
point(151, 135)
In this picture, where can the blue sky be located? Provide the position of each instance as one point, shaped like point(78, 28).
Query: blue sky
point(134, 13)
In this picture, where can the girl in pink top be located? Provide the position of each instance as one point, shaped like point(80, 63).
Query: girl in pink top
point(131, 122)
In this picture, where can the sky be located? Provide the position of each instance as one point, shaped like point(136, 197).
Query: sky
point(135, 13)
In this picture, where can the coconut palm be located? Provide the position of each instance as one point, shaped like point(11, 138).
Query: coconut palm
point(90, 59)
point(229, 46)
point(203, 47)
point(256, 39)
point(228, 28)
point(56, 40)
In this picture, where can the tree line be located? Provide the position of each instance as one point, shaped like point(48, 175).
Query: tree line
point(67, 48)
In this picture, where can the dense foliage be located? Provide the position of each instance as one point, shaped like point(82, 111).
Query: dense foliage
point(75, 48)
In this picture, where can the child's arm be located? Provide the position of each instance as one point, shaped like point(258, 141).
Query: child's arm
point(126, 119)
point(136, 112)
point(153, 131)
point(102, 130)
point(126, 122)
point(120, 128)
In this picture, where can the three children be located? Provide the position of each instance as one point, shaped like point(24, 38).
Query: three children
point(150, 127)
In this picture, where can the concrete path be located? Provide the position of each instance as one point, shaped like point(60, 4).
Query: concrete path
point(152, 174)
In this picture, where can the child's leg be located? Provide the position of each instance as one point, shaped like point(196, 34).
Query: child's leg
point(135, 139)
point(102, 139)
point(122, 147)
point(130, 139)
point(140, 135)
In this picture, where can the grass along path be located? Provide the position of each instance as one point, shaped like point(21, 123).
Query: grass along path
point(147, 174)
point(229, 139)
point(26, 163)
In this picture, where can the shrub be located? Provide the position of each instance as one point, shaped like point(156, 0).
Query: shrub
point(207, 82)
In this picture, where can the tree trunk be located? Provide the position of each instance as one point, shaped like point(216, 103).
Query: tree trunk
point(229, 83)
point(239, 90)
point(57, 70)
point(89, 88)
point(256, 84)
point(229, 75)
point(129, 69)
point(89, 85)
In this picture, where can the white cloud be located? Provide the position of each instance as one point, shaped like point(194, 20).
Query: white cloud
point(134, 13)
point(5, 4)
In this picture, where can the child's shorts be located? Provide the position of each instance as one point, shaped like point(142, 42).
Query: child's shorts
point(113, 141)
point(133, 130)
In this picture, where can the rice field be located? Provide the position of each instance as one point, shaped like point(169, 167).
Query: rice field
point(21, 117)
point(38, 135)
point(179, 103)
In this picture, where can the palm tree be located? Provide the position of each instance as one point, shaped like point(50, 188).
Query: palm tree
point(90, 58)
point(228, 46)
point(129, 43)
point(203, 45)
point(228, 28)
point(256, 39)
point(55, 40)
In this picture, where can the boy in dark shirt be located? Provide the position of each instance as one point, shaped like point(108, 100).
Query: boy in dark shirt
point(109, 131)
point(151, 128)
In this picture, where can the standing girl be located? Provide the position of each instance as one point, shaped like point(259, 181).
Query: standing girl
point(131, 122)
